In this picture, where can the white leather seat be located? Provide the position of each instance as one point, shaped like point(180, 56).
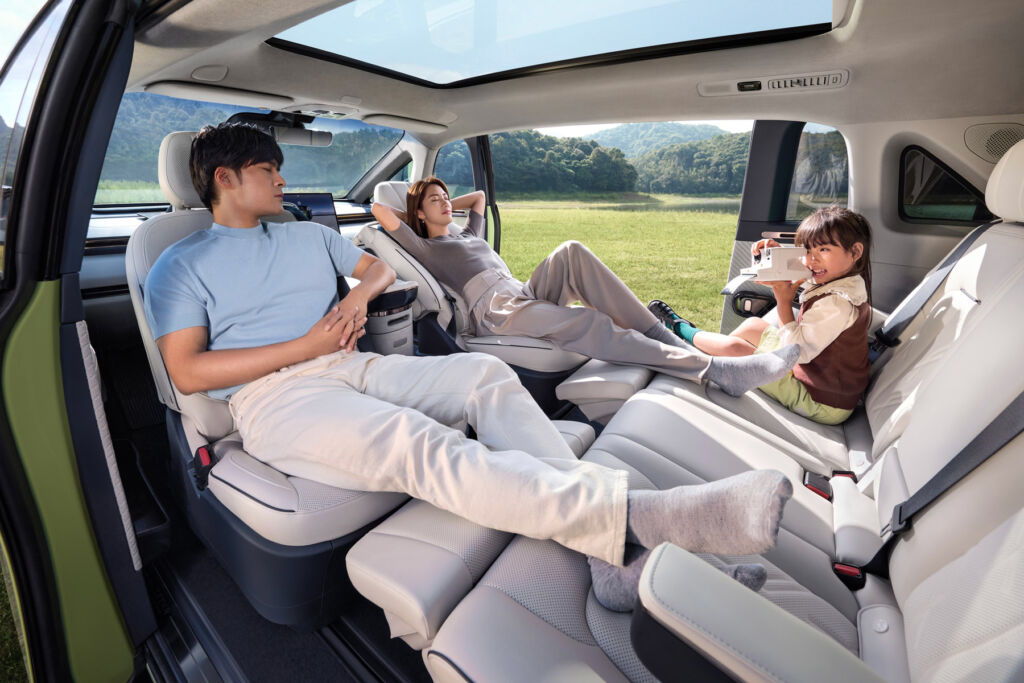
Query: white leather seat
point(951, 607)
point(287, 510)
point(432, 297)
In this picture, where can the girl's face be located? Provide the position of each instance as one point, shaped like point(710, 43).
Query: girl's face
point(435, 207)
point(830, 262)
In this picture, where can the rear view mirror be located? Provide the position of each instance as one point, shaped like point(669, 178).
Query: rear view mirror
point(288, 128)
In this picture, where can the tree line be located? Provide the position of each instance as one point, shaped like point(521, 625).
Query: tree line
point(528, 162)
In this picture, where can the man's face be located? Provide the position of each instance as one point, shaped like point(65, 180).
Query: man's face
point(259, 188)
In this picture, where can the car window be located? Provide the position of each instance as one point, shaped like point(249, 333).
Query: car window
point(657, 202)
point(403, 174)
point(931, 191)
point(455, 167)
point(18, 87)
point(821, 176)
point(129, 176)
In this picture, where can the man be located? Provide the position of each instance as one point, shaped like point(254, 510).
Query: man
point(247, 311)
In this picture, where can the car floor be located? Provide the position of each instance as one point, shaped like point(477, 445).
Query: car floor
point(187, 581)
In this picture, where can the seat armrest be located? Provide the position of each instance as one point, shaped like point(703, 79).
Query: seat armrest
point(855, 521)
point(742, 633)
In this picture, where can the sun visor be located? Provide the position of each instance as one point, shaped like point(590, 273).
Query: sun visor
point(219, 94)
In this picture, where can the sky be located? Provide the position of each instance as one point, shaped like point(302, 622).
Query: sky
point(14, 17)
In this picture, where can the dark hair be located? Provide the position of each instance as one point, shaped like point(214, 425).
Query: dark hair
point(231, 145)
point(842, 227)
point(414, 200)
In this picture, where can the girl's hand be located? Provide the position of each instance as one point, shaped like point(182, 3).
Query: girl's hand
point(784, 290)
point(763, 244)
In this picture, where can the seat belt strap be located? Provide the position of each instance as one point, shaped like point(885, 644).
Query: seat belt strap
point(1003, 429)
point(889, 335)
point(1007, 425)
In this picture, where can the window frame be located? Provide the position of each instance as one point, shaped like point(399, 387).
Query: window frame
point(913, 220)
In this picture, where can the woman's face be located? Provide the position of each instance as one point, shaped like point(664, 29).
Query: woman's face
point(435, 207)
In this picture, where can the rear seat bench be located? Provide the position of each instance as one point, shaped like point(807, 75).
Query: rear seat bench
point(951, 604)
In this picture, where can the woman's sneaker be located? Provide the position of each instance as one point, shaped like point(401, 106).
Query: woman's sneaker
point(663, 312)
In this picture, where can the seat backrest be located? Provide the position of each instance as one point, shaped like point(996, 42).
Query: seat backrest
point(957, 576)
point(954, 351)
point(431, 296)
point(210, 417)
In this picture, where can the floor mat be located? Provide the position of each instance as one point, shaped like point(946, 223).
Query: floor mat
point(264, 651)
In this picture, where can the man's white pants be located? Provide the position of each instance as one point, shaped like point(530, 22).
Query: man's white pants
point(392, 423)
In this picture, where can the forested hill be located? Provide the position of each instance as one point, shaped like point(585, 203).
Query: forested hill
point(714, 166)
point(637, 139)
point(718, 166)
point(526, 161)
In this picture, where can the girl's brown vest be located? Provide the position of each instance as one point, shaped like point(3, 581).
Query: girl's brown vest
point(839, 374)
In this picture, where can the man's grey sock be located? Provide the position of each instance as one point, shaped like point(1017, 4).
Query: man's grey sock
point(738, 515)
point(616, 588)
point(751, 575)
point(737, 375)
point(659, 332)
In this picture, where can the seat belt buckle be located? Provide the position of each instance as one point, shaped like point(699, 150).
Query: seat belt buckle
point(879, 344)
point(898, 525)
point(852, 577)
point(202, 463)
point(818, 483)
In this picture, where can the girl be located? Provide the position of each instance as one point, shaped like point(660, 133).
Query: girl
point(613, 325)
point(831, 327)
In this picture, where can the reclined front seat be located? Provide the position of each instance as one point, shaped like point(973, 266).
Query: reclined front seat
point(540, 364)
point(280, 537)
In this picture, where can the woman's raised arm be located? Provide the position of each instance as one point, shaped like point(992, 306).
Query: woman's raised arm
point(474, 200)
point(387, 216)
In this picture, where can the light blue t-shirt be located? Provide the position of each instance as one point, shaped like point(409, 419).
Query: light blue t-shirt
point(248, 286)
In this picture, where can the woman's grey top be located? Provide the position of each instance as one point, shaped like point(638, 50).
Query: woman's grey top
point(452, 259)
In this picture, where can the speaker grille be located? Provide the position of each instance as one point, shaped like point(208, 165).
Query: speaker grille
point(990, 141)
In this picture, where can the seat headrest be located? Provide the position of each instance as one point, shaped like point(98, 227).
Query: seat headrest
point(1004, 194)
point(392, 193)
point(172, 169)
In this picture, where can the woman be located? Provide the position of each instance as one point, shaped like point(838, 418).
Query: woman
point(613, 325)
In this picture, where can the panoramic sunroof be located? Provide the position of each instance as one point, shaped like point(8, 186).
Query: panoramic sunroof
point(447, 42)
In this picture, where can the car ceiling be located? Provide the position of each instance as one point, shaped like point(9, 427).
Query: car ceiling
point(907, 60)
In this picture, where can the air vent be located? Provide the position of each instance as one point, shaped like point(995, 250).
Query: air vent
point(991, 141)
point(760, 85)
point(834, 79)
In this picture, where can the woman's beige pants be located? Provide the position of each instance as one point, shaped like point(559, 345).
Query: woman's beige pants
point(392, 423)
point(609, 327)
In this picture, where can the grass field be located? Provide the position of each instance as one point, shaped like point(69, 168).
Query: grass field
point(664, 247)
